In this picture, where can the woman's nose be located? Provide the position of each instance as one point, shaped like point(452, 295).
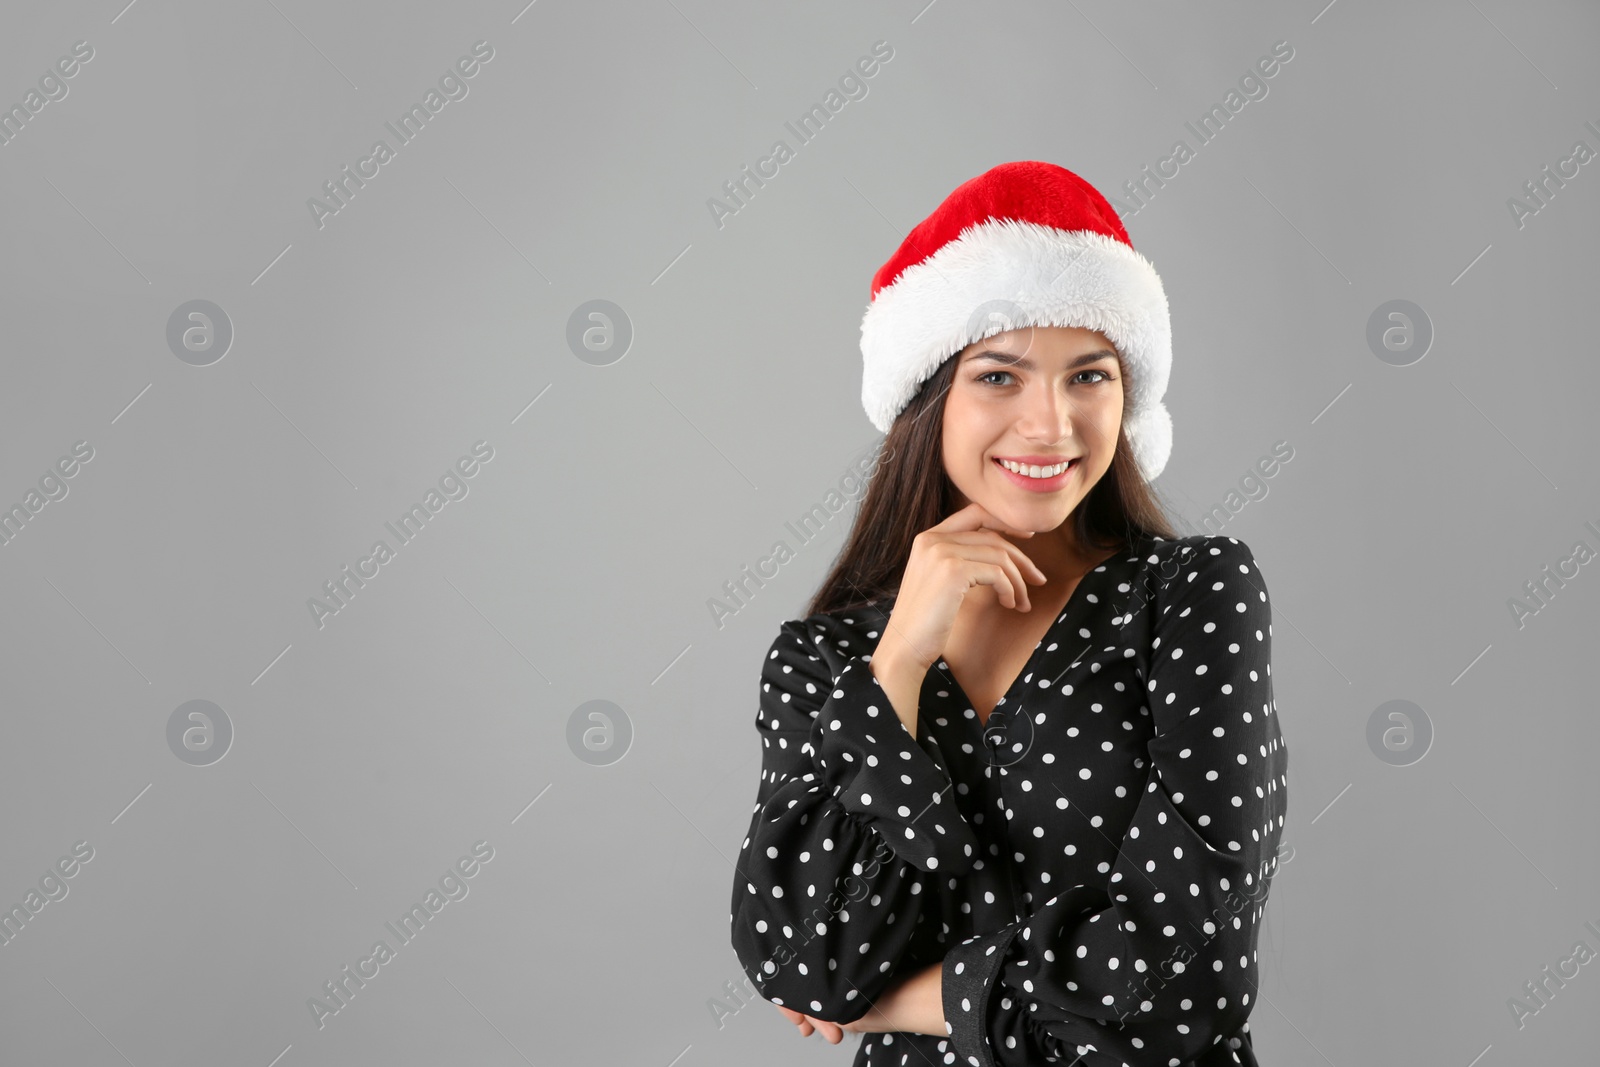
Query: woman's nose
point(1046, 416)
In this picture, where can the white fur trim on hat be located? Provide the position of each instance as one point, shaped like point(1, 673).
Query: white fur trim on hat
point(1003, 274)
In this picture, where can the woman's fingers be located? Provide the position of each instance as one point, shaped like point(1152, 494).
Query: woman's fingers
point(831, 1033)
point(987, 565)
point(990, 538)
point(797, 1018)
point(1019, 586)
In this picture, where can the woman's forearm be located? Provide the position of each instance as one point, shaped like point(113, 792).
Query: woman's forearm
point(929, 1001)
point(914, 1005)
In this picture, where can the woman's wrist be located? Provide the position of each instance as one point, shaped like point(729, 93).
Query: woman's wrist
point(901, 680)
point(932, 1001)
point(912, 1005)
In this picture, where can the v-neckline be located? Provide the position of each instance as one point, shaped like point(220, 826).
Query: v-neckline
point(1004, 702)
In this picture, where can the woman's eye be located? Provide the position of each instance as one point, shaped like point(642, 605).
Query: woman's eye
point(986, 375)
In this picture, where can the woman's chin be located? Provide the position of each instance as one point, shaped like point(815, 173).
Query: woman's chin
point(1037, 517)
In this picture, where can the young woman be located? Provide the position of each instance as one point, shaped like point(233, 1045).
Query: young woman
point(1023, 783)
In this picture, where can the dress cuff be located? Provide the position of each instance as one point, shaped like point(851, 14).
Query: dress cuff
point(897, 784)
point(969, 978)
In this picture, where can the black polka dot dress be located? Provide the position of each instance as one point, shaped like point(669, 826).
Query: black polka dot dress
point(1089, 867)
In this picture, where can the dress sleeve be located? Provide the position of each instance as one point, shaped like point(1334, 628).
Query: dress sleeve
point(853, 822)
point(1158, 963)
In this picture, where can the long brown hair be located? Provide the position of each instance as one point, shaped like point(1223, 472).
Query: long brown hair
point(908, 491)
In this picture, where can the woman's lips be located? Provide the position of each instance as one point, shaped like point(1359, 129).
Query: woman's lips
point(1040, 485)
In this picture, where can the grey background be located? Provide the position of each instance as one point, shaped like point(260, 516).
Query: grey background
point(432, 312)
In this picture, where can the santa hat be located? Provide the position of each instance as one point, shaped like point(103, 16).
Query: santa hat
point(1023, 244)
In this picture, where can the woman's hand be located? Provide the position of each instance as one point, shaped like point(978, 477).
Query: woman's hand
point(947, 560)
point(832, 1033)
point(913, 1005)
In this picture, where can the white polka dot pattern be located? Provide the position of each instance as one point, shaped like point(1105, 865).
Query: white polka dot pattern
point(1095, 872)
point(848, 802)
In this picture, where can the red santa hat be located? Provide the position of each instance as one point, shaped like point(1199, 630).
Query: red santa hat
point(1023, 244)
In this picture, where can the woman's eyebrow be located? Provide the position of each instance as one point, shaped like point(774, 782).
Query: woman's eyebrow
point(1009, 360)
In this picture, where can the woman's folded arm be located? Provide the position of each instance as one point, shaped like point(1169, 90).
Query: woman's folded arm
point(853, 822)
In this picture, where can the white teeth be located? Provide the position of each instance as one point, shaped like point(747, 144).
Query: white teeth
point(1033, 471)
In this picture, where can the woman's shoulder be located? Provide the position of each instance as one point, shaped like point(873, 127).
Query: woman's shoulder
point(836, 637)
point(1185, 577)
point(1209, 550)
point(1175, 570)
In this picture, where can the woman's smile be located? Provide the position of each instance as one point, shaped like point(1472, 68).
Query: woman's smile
point(1033, 481)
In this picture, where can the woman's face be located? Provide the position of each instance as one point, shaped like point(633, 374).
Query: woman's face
point(1039, 395)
